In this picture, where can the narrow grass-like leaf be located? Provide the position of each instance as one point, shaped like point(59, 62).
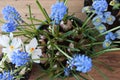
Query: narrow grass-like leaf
point(43, 11)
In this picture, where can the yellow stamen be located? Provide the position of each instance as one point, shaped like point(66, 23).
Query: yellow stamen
point(101, 28)
point(32, 49)
point(11, 47)
point(107, 44)
point(98, 20)
point(110, 19)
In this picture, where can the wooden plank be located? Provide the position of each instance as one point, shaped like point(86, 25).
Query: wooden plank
point(112, 59)
point(75, 6)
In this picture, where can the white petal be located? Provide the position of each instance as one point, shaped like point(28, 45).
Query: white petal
point(10, 56)
point(5, 50)
point(11, 36)
point(27, 48)
point(8, 52)
point(36, 55)
point(4, 40)
point(33, 43)
point(16, 42)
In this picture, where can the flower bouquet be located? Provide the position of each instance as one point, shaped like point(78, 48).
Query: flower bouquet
point(62, 45)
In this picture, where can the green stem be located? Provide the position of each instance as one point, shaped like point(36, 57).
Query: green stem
point(43, 11)
point(63, 52)
point(18, 69)
point(89, 76)
point(87, 20)
point(109, 31)
point(93, 44)
point(30, 14)
point(98, 43)
point(65, 2)
point(102, 52)
point(3, 59)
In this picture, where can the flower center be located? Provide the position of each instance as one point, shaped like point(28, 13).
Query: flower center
point(110, 19)
point(11, 47)
point(32, 49)
point(98, 20)
point(107, 44)
point(101, 28)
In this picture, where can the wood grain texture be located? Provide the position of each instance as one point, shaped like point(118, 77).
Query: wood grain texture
point(112, 59)
point(21, 6)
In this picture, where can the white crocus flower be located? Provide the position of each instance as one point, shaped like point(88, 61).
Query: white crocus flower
point(35, 53)
point(10, 44)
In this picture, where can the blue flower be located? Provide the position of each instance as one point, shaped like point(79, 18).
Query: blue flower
point(106, 43)
point(58, 11)
point(117, 33)
point(97, 20)
point(109, 18)
point(100, 6)
point(81, 62)
point(10, 13)
point(101, 28)
point(6, 75)
point(1, 76)
point(110, 36)
point(20, 58)
point(66, 71)
point(9, 27)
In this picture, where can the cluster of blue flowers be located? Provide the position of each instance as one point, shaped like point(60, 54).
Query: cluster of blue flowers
point(80, 62)
point(100, 6)
point(102, 15)
point(58, 12)
point(6, 75)
point(108, 39)
point(9, 27)
point(11, 16)
point(10, 13)
point(20, 58)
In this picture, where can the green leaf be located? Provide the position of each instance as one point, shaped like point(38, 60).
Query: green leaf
point(30, 14)
point(104, 51)
point(43, 11)
point(113, 29)
point(67, 34)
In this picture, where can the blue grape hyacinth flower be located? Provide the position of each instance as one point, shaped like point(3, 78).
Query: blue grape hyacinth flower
point(20, 58)
point(100, 6)
point(6, 75)
point(82, 63)
point(101, 28)
point(58, 11)
point(109, 18)
point(9, 27)
point(10, 13)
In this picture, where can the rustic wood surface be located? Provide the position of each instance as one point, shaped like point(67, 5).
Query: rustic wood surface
point(112, 59)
